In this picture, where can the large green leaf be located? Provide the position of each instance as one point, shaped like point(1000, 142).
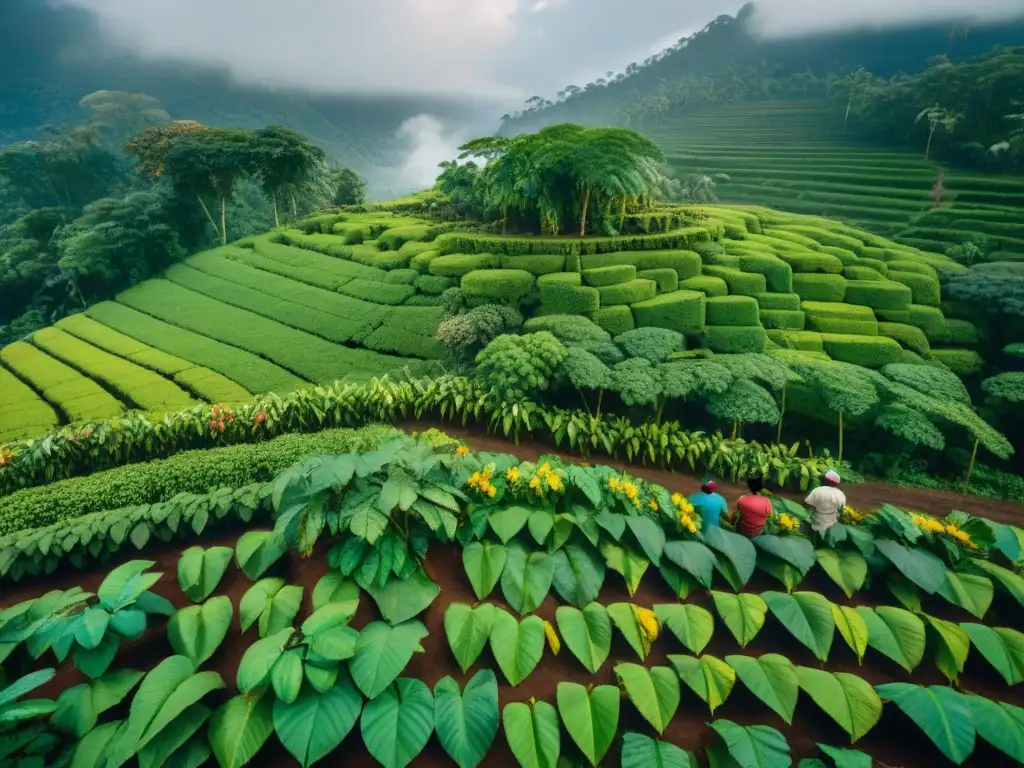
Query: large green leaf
point(770, 677)
point(639, 751)
point(943, 714)
point(587, 633)
point(467, 629)
point(852, 628)
point(200, 570)
point(754, 746)
point(736, 550)
point(198, 630)
point(590, 717)
point(335, 588)
point(847, 699)
point(1002, 647)
point(175, 747)
point(970, 591)
point(649, 535)
point(484, 561)
point(516, 645)
point(382, 652)
point(654, 692)
point(795, 550)
point(710, 678)
point(328, 635)
point(846, 567)
point(259, 659)
point(808, 616)
point(952, 649)
point(286, 675)
point(90, 752)
point(79, 707)
point(124, 584)
point(527, 578)
point(402, 599)
point(467, 721)
point(690, 623)
point(256, 551)
point(256, 600)
point(532, 732)
point(578, 573)
point(506, 523)
point(743, 614)
point(1012, 583)
point(626, 617)
point(626, 562)
point(790, 577)
point(397, 724)
point(919, 565)
point(314, 724)
point(184, 696)
point(895, 633)
point(694, 558)
point(846, 758)
point(1000, 724)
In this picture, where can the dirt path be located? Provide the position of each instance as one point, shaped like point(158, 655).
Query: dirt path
point(870, 495)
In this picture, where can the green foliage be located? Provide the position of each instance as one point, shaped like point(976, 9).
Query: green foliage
point(941, 713)
point(599, 277)
point(467, 721)
point(615, 320)
point(518, 367)
point(744, 402)
point(706, 284)
point(752, 744)
point(743, 614)
point(465, 335)
point(666, 278)
point(820, 287)
point(197, 631)
point(770, 677)
point(710, 678)
point(500, 285)
point(732, 340)
point(563, 298)
point(591, 717)
point(848, 699)
point(516, 646)
point(681, 311)
point(397, 723)
point(199, 570)
point(587, 633)
point(739, 282)
point(654, 692)
point(532, 732)
point(653, 344)
point(963, 362)
point(568, 329)
point(732, 311)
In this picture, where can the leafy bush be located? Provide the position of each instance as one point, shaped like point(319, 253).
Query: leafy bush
point(733, 340)
point(924, 288)
point(536, 264)
point(22, 412)
point(627, 293)
point(866, 351)
point(667, 279)
point(732, 310)
point(928, 319)
point(878, 265)
point(681, 311)
point(826, 237)
point(569, 329)
point(878, 295)
point(685, 263)
point(459, 264)
point(782, 318)
point(805, 341)
point(810, 263)
point(421, 261)
point(566, 278)
point(829, 324)
point(909, 336)
point(862, 273)
point(401, 277)
point(848, 257)
point(434, 285)
point(504, 285)
point(778, 274)
point(963, 362)
point(519, 367)
point(932, 380)
point(706, 284)
point(739, 282)
point(465, 242)
point(598, 277)
point(820, 287)
point(463, 336)
point(564, 298)
point(653, 344)
point(377, 292)
point(615, 320)
point(960, 332)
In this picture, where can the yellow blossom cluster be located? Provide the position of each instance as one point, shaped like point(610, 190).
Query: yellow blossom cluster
point(685, 512)
point(553, 642)
point(931, 525)
point(851, 516)
point(462, 450)
point(648, 622)
point(481, 481)
point(545, 478)
point(512, 475)
point(788, 522)
point(626, 488)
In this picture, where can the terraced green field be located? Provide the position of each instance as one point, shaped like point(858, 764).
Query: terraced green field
point(797, 156)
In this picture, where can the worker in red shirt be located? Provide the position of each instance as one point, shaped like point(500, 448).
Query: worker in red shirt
point(753, 509)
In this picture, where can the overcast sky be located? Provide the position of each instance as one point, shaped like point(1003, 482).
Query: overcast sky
point(502, 48)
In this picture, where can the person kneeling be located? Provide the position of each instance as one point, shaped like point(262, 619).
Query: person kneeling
point(753, 509)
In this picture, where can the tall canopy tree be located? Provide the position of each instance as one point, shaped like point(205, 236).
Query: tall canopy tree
point(283, 159)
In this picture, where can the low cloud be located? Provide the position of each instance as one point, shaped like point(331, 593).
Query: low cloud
point(422, 142)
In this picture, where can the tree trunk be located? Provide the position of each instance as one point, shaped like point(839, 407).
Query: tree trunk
point(928, 148)
point(583, 218)
point(970, 467)
point(600, 397)
point(782, 415)
point(295, 208)
point(277, 220)
point(840, 437)
point(849, 106)
point(622, 214)
point(661, 410)
point(223, 220)
point(735, 429)
point(583, 397)
point(206, 210)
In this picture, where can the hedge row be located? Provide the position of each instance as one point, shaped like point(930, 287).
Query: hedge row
point(685, 263)
point(908, 336)
point(186, 472)
point(599, 277)
point(251, 372)
point(706, 284)
point(867, 351)
point(739, 282)
point(816, 287)
point(963, 362)
point(878, 295)
point(732, 310)
point(132, 383)
point(682, 311)
point(22, 412)
point(627, 293)
point(860, 272)
point(837, 310)
point(466, 242)
point(788, 319)
point(787, 301)
point(375, 292)
point(778, 274)
point(804, 341)
point(78, 398)
point(561, 297)
point(615, 320)
point(499, 285)
point(778, 233)
point(460, 264)
point(960, 332)
point(535, 264)
point(923, 288)
point(666, 278)
point(301, 257)
point(841, 325)
point(807, 262)
point(731, 340)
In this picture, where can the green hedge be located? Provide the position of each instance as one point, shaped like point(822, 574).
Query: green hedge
point(961, 332)
point(793, 237)
point(827, 237)
point(615, 320)
point(300, 258)
point(323, 223)
point(682, 311)
point(848, 257)
point(376, 292)
point(876, 264)
point(909, 265)
point(536, 264)
point(962, 362)
point(706, 284)
point(777, 273)
point(627, 293)
point(393, 239)
point(732, 310)
point(838, 310)
point(923, 288)
point(870, 252)
point(805, 263)
point(401, 276)
point(863, 273)
point(421, 262)
point(790, 319)
point(666, 278)
point(732, 340)
point(910, 337)
point(465, 242)
point(805, 341)
point(599, 277)
point(459, 264)
point(868, 351)
point(928, 319)
point(820, 287)
point(434, 285)
point(186, 472)
point(841, 325)
point(562, 298)
point(505, 285)
point(565, 278)
point(741, 283)
point(406, 342)
point(685, 263)
point(879, 295)
point(787, 301)
point(22, 412)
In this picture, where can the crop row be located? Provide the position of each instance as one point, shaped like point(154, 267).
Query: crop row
point(22, 412)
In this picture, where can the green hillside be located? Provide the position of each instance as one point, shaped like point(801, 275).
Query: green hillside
point(796, 156)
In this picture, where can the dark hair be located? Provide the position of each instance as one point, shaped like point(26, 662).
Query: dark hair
point(755, 483)
point(708, 486)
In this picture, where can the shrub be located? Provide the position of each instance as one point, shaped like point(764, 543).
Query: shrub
point(869, 252)
point(434, 285)
point(793, 237)
point(960, 332)
point(566, 278)
point(653, 344)
point(685, 263)
point(837, 310)
point(862, 273)
point(615, 320)
point(923, 288)
point(424, 300)
point(568, 329)
point(732, 340)
point(787, 301)
point(928, 319)
point(820, 287)
point(962, 362)
point(667, 279)
point(535, 264)
point(932, 380)
point(323, 223)
point(812, 262)
point(879, 295)
point(505, 285)
point(848, 257)
point(463, 336)
point(739, 282)
point(826, 324)
point(401, 277)
point(789, 319)
point(732, 310)
point(805, 341)
point(563, 298)
point(706, 284)
point(22, 412)
point(599, 277)
point(826, 237)
point(627, 293)
point(866, 351)
point(517, 368)
point(402, 341)
point(376, 292)
point(421, 262)
point(393, 239)
point(877, 265)
point(459, 264)
point(918, 267)
point(910, 337)
point(778, 274)
point(467, 242)
point(681, 311)
point(572, 262)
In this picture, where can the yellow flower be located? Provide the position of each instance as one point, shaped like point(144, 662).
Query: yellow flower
point(691, 527)
point(653, 504)
point(553, 642)
point(491, 490)
point(462, 451)
point(678, 499)
point(648, 622)
point(544, 469)
point(512, 475)
point(535, 482)
point(630, 490)
point(962, 536)
point(555, 482)
point(613, 483)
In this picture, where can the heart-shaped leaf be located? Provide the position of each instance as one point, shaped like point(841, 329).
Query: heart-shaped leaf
point(591, 717)
point(943, 714)
point(772, 678)
point(654, 692)
point(587, 633)
point(484, 562)
point(516, 646)
point(532, 732)
point(743, 614)
point(467, 721)
point(468, 630)
point(847, 699)
point(690, 623)
point(808, 616)
point(397, 723)
point(710, 678)
point(382, 653)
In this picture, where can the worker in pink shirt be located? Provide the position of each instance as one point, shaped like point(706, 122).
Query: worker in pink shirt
point(753, 508)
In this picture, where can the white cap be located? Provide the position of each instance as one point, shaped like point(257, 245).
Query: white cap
point(832, 476)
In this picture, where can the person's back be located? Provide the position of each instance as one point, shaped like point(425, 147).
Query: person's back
point(709, 505)
point(754, 509)
point(826, 501)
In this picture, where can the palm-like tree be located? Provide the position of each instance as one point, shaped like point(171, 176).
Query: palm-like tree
point(937, 117)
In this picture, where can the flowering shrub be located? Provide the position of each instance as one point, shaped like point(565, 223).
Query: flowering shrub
point(685, 513)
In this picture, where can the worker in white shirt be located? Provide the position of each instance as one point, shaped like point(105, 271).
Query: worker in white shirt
point(827, 501)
